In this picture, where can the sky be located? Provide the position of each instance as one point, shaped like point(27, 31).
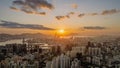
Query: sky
point(82, 17)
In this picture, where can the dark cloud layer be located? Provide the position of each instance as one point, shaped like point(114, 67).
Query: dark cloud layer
point(9, 24)
point(94, 27)
point(112, 11)
point(31, 6)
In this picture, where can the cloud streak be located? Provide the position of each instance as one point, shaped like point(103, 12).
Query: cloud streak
point(94, 27)
point(108, 12)
point(13, 8)
point(94, 14)
point(41, 13)
point(62, 17)
point(81, 15)
point(31, 6)
point(8, 24)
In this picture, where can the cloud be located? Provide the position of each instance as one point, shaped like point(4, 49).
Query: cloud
point(93, 14)
point(67, 16)
point(112, 11)
point(62, 17)
point(14, 8)
point(41, 13)
point(31, 6)
point(75, 6)
point(94, 27)
point(81, 15)
point(9, 24)
point(27, 11)
point(71, 13)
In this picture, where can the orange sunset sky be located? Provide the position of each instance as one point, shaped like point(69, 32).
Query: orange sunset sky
point(78, 17)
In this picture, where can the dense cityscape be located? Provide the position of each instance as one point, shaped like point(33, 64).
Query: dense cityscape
point(72, 52)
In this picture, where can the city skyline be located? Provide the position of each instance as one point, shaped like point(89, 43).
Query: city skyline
point(82, 17)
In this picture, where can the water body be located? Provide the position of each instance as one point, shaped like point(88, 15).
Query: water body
point(19, 41)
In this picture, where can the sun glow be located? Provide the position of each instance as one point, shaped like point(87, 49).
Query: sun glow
point(61, 31)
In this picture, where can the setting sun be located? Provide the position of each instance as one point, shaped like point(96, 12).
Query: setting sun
point(61, 31)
